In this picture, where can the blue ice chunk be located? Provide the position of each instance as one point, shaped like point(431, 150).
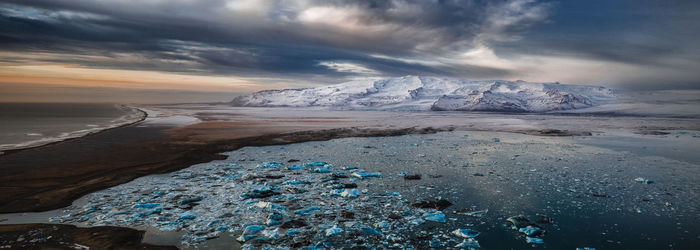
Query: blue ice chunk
point(274, 216)
point(293, 231)
point(362, 175)
point(348, 167)
point(531, 230)
point(247, 247)
point(382, 225)
point(436, 217)
point(270, 164)
point(468, 243)
point(466, 233)
point(147, 205)
point(187, 217)
point(154, 211)
point(434, 243)
point(271, 233)
point(350, 193)
point(296, 182)
point(370, 231)
point(270, 222)
point(306, 211)
point(222, 228)
point(403, 173)
point(316, 164)
point(253, 229)
point(244, 237)
point(214, 222)
point(532, 240)
point(269, 206)
point(323, 170)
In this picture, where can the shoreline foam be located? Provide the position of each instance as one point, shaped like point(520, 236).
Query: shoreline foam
point(65, 136)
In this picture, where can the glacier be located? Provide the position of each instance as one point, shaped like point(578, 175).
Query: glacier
point(422, 93)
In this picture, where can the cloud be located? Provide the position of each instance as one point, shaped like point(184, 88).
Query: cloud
point(329, 40)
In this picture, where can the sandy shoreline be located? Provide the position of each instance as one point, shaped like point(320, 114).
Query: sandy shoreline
point(76, 134)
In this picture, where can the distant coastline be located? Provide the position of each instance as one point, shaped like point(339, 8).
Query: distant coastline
point(76, 134)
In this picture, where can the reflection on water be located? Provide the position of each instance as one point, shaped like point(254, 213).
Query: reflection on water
point(586, 185)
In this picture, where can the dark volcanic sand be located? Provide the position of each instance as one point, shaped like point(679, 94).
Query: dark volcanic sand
point(51, 236)
point(52, 177)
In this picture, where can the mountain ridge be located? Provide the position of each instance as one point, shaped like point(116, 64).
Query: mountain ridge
point(423, 93)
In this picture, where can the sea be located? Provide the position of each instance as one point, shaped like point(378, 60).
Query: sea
point(25, 125)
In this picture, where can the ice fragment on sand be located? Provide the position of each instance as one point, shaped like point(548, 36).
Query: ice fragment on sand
point(296, 182)
point(323, 169)
point(307, 210)
point(468, 243)
point(147, 205)
point(466, 233)
point(271, 233)
point(362, 175)
point(533, 240)
point(643, 180)
point(293, 231)
point(350, 193)
point(262, 192)
point(436, 217)
point(333, 230)
point(316, 164)
point(271, 164)
point(250, 232)
point(186, 217)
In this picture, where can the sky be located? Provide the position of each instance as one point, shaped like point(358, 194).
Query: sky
point(226, 47)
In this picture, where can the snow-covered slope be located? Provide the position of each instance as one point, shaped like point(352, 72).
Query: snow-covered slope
point(435, 93)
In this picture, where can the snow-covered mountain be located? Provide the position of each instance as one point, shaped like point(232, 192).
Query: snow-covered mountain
point(435, 93)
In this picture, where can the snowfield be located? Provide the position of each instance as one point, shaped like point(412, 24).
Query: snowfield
point(436, 93)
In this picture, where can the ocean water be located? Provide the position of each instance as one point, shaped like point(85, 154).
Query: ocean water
point(25, 125)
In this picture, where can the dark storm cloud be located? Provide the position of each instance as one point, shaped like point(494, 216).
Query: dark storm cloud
point(254, 37)
point(331, 40)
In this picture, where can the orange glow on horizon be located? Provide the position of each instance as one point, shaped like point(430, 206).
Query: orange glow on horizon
point(77, 76)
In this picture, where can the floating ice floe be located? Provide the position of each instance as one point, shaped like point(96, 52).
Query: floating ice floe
point(266, 205)
point(468, 243)
point(436, 217)
point(532, 240)
point(643, 180)
point(466, 233)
